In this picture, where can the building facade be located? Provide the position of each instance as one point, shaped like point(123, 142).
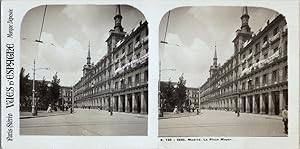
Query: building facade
point(66, 94)
point(193, 96)
point(255, 78)
point(119, 80)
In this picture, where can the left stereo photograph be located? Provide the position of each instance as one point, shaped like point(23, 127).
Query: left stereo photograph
point(84, 71)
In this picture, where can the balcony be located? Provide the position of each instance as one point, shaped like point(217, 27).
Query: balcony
point(285, 29)
point(145, 40)
point(265, 45)
point(131, 85)
point(137, 45)
point(132, 64)
point(274, 38)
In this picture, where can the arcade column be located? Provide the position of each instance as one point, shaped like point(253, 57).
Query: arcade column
point(143, 103)
point(271, 104)
point(262, 104)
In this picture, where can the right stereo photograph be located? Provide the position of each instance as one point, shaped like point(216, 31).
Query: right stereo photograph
point(223, 71)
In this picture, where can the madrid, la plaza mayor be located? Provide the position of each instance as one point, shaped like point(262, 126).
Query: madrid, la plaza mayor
point(247, 92)
point(117, 82)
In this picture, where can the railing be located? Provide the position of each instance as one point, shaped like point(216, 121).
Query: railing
point(137, 45)
point(131, 85)
point(132, 64)
point(265, 45)
point(272, 39)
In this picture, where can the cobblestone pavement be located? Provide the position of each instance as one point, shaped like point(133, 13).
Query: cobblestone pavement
point(221, 123)
point(84, 123)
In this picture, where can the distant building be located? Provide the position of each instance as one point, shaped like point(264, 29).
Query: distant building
point(66, 94)
point(193, 96)
point(119, 80)
point(255, 78)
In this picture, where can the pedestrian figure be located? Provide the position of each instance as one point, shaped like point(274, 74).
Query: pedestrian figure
point(238, 112)
point(49, 110)
point(71, 109)
point(198, 111)
point(175, 111)
point(285, 119)
point(111, 111)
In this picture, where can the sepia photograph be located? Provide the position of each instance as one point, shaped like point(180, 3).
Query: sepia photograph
point(223, 72)
point(84, 71)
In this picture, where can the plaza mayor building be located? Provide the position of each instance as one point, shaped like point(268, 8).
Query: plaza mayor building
point(255, 78)
point(119, 80)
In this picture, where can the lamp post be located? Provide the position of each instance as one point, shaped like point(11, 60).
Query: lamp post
point(72, 107)
point(34, 108)
point(199, 102)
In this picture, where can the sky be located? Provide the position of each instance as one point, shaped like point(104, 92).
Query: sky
point(192, 34)
point(67, 31)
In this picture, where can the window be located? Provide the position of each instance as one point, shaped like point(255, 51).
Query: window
point(266, 56)
point(137, 39)
point(274, 76)
point(243, 86)
point(275, 31)
point(250, 51)
point(285, 72)
point(116, 66)
point(130, 47)
point(122, 84)
point(244, 56)
point(265, 38)
point(264, 79)
point(137, 78)
point(250, 84)
point(123, 50)
point(129, 81)
point(117, 55)
point(250, 63)
point(243, 66)
point(275, 50)
point(116, 85)
point(146, 76)
point(138, 55)
point(257, 47)
point(257, 82)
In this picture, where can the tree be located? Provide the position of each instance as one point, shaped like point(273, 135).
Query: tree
point(55, 89)
point(180, 91)
point(25, 89)
point(43, 93)
point(166, 94)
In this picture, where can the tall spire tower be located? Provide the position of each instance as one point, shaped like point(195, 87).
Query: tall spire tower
point(118, 20)
point(116, 34)
point(244, 33)
point(214, 67)
point(88, 66)
point(245, 19)
point(88, 59)
point(215, 59)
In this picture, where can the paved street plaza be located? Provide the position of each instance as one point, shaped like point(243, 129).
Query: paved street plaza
point(221, 123)
point(84, 122)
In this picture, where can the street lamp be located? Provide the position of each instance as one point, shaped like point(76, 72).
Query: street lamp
point(34, 108)
point(72, 107)
point(199, 102)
